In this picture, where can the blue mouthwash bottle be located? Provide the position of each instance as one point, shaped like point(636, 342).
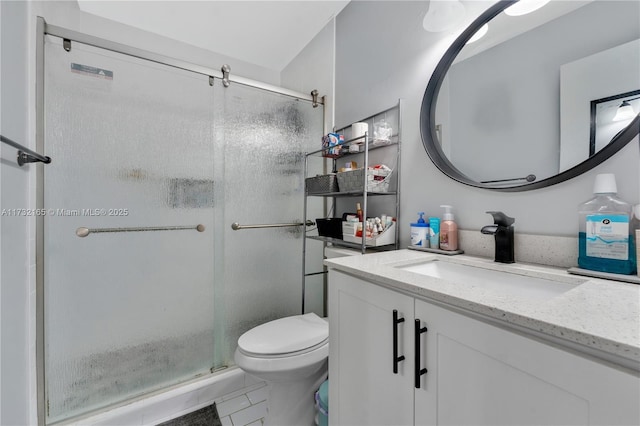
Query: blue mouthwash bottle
point(605, 242)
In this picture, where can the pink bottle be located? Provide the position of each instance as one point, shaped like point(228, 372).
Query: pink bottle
point(448, 231)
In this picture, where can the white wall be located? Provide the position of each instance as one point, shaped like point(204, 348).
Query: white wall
point(382, 53)
point(15, 181)
point(313, 68)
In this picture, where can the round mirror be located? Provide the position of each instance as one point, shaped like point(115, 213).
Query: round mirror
point(540, 99)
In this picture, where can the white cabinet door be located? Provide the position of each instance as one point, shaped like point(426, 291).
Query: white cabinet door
point(485, 375)
point(363, 389)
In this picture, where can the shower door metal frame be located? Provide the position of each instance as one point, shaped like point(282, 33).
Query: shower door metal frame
point(166, 60)
point(43, 29)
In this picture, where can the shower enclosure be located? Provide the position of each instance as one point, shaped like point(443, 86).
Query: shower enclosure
point(144, 283)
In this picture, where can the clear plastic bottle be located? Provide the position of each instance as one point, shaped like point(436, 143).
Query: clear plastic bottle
point(605, 242)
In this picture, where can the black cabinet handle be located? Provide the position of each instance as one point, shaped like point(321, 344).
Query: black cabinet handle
point(396, 358)
point(417, 370)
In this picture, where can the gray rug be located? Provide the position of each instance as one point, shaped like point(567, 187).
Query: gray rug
point(207, 416)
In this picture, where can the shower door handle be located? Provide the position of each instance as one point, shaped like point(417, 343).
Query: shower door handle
point(396, 358)
point(83, 231)
point(236, 226)
point(418, 372)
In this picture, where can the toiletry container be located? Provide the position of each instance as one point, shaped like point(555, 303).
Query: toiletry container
point(605, 240)
point(434, 232)
point(382, 132)
point(448, 230)
point(420, 232)
point(359, 212)
point(322, 404)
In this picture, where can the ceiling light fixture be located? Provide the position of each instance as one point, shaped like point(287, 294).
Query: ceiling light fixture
point(443, 15)
point(525, 6)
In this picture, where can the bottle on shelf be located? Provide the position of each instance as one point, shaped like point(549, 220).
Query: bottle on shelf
point(359, 212)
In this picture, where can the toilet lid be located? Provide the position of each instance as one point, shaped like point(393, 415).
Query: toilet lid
point(285, 335)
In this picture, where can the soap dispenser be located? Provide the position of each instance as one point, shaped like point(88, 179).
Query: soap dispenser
point(448, 230)
point(420, 232)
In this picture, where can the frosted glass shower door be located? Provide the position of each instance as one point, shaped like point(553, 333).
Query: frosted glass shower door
point(126, 313)
point(263, 136)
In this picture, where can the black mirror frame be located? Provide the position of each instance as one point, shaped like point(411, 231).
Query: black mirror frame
point(428, 123)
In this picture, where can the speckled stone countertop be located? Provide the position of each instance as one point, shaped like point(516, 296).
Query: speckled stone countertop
point(599, 316)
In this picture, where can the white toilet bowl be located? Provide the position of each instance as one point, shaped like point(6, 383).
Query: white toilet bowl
point(290, 354)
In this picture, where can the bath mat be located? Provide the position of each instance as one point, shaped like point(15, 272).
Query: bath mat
point(207, 416)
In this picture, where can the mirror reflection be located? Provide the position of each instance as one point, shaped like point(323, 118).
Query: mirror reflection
point(539, 93)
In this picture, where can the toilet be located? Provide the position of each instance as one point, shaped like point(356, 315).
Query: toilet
point(290, 354)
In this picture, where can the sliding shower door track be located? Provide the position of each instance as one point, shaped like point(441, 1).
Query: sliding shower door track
point(90, 40)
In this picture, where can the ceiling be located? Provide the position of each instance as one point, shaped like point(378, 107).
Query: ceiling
point(266, 33)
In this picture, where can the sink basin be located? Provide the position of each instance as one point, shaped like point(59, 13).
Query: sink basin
point(497, 282)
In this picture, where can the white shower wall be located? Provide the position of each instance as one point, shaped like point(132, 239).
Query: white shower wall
point(17, 337)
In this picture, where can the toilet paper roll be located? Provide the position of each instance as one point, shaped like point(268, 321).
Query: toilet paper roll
point(359, 129)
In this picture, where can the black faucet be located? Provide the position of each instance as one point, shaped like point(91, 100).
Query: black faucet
point(502, 230)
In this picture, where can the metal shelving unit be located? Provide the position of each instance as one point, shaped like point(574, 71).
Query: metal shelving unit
point(393, 116)
point(389, 152)
point(384, 152)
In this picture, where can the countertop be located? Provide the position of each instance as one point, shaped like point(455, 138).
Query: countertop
point(600, 316)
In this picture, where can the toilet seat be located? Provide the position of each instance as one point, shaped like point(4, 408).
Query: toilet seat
point(285, 337)
point(291, 355)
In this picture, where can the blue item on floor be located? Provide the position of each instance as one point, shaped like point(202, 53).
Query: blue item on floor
point(322, 404)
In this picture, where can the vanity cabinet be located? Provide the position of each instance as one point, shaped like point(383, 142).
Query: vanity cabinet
point(363, 389)
point(473, 372)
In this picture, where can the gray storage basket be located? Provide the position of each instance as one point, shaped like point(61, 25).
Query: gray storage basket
point(353, 181)
point(321, 184)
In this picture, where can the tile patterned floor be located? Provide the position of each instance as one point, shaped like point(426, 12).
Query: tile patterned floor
point(247, 407)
